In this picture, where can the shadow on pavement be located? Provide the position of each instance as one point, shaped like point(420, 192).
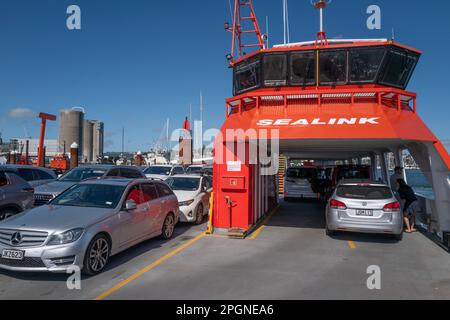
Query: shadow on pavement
point(310, 214)
point(115, 261)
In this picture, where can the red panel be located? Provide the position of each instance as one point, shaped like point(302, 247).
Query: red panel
point(233, 183)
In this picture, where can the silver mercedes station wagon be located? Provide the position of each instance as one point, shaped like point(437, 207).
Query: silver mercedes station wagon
point(87, 224)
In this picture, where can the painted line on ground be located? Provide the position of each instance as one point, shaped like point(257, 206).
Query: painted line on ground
point(351, 244)
point(139, 273)
point(255, 233)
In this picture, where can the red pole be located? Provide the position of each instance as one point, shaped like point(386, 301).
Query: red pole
point(41, 144)
point(41, 156)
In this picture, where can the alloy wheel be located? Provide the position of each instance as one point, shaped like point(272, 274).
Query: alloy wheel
point(169, 226)
point(99, 254)
point(199, 214)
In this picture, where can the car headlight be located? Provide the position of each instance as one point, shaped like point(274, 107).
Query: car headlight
point(65, 237)
point(186, 203)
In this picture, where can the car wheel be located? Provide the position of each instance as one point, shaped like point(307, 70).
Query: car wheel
point(97, 255)
point(7, 213)
point(168, 227)
point(199, 214)
point(329, 232)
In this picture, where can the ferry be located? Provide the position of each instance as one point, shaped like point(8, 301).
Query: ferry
point(323, 100)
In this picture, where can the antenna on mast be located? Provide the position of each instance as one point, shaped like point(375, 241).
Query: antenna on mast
point(321, 35)
point(287, 33)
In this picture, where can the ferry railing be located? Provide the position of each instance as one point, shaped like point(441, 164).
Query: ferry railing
point(388, 97)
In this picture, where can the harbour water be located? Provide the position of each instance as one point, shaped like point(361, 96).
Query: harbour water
point(420, 184)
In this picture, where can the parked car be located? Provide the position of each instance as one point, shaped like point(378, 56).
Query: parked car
point(193, 194)
point(298, 183)
point(87, 224)
point(163, 172)
point(16, 195)
point(366, 207)
point(35, 176)
point(43, 194)
point(195, 169)
point(347, 172)
point(200, 170)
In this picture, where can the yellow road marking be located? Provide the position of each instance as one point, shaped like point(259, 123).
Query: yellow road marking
point(351, 244)
point(263, 225)
point(148, 268)
point(257, 231)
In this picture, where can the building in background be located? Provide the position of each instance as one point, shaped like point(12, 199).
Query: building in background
point(51, 147)
point(87, 134)
point(88, 141)
point(98, 140)
point(71, 124)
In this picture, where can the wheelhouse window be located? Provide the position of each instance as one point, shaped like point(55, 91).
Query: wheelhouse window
point(275, 70)
point(303, 67)
point(365, 64)
point(333, 67)
point(399, 68)
point(247, 75)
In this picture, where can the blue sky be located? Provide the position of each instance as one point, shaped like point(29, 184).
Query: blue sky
point(137, 62)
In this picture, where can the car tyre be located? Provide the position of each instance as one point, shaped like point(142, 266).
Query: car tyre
point(168, 227)
point(97, 255)
point(7, 213)
point(199, 215)
point(329, 232)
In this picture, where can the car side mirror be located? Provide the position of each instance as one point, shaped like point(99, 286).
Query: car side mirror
point(130, 205)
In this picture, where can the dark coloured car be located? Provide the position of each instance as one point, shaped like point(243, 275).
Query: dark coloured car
point(35, 176)
point(16, 195)
point(45, 193)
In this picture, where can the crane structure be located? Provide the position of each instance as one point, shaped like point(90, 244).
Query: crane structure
point(44, 118)
point(244, 26)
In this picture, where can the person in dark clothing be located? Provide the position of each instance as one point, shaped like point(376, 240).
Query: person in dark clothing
point(407, 194)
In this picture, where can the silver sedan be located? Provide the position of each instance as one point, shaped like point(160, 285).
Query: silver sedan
point(87, 224)
point(366, 207)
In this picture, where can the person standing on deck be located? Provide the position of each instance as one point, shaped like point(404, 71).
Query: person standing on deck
point(407, 194)
point(398, 174)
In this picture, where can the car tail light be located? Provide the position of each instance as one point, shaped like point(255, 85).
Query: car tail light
point(336, 204)
point(394, 206)
point(30, 190)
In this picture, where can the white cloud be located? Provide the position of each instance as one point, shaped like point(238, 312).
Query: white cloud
point(21, 113)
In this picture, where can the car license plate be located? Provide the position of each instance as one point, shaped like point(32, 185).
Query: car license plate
point(364, 213)
point(13, 254)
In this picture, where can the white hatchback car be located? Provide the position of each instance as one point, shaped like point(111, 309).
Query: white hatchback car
point(162, 172)
point(193, 194)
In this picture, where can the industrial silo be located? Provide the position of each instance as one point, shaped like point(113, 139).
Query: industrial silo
point(88, 134)
point(71, 129)
point(98, 139)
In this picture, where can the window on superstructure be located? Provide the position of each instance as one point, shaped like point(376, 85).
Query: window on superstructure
point(365, 64)
point(333, 67)
point(399, 67)
point(303, 68)
point(275, 70)
point(247, 75)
